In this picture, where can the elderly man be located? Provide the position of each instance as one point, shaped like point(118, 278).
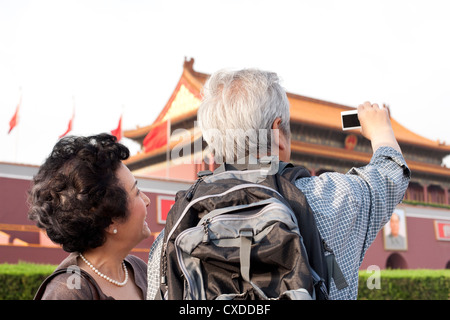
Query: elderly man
point(349, 209)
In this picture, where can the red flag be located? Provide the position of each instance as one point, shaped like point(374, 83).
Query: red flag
point(69, 127)
point(15, 118)
point(118, 131)
point(157, 137)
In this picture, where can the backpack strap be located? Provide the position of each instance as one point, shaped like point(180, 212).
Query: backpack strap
point(291, 172)
point(334, 271)
point(246, 236)
point(282, 166)
point(287, 169)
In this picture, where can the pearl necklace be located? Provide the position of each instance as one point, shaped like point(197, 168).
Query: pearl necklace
point(115, 282)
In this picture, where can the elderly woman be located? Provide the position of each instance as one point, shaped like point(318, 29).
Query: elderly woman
point(88, 201)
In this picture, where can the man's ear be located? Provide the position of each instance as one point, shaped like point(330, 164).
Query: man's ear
point(278, 141)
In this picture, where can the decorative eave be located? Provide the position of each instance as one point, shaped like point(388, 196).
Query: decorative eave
point(355, 156)
point(144, 157)
point(185, 100)
point(191, 82)
point(304, 110)
point(306, 149)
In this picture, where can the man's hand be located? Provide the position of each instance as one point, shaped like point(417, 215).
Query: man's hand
point(376, 126)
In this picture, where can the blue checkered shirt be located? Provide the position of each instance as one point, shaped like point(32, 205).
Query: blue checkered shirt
point(350, 210)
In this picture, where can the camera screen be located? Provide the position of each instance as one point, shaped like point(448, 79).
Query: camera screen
point(350, 120)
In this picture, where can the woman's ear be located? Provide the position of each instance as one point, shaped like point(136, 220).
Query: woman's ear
point(112, 228)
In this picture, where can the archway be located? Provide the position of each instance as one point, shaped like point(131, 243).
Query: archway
point(396, 261)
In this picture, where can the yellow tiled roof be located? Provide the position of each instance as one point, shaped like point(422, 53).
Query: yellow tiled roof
point(185, 100)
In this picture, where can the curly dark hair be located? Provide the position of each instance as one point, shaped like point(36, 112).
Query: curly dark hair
point(75, 195)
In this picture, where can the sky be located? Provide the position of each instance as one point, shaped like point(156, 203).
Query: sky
point(109, 58)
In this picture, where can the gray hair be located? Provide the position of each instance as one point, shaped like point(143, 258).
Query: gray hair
point(238, 110)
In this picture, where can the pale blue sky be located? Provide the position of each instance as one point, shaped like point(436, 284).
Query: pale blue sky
point(127, 56)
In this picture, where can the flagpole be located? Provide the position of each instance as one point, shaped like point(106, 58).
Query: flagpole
point(16, 147)
point(121, 121)
point(168, 148)
point(73, 107)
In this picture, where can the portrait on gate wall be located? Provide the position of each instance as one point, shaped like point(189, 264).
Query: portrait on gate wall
point(394, 232)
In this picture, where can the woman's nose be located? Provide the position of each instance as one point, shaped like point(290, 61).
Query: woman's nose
point(146, 200)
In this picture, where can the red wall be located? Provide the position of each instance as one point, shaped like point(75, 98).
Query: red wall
point(423, 252)
point(13, 211)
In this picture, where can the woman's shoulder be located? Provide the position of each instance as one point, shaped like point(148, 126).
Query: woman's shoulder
point(140, 272)
point(68, 284)
point(137, 263)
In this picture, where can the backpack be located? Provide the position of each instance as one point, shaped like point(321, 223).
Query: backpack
point(244, 235)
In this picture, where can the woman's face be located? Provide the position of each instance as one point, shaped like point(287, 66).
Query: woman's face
point(134, 228)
